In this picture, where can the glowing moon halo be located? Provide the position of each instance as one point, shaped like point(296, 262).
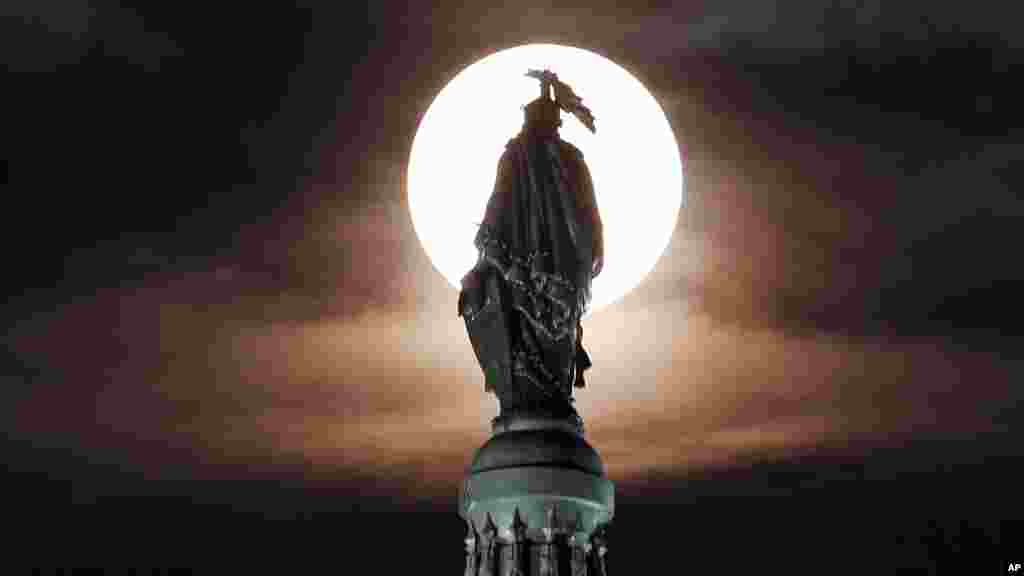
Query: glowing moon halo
point(633, 159)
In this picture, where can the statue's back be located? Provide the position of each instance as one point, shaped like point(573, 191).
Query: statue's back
point(539, 240)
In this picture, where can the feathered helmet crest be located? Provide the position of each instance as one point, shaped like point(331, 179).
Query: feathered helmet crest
point(544, 108)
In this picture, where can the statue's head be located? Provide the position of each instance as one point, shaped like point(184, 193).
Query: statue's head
point(542, 116)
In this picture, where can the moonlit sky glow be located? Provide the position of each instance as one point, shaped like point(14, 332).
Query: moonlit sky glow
point(633, 158)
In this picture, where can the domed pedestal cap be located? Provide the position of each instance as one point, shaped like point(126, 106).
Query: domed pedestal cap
point(536, 469)
point(549, 447)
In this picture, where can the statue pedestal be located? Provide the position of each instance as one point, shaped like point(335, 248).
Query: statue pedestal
point(536, 498)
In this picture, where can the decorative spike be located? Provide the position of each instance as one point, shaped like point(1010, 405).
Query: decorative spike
point(518, 538)
point(518, 526)
point(550, 553)
point(577, 559)
point(490, 529)
point(471, 550)
point(488, 552)
point(599, 549)
point(577, 524)
point(551, 524)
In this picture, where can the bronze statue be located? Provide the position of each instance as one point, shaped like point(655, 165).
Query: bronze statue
point(540, 245)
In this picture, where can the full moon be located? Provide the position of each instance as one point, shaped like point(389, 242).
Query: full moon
point(633, 158)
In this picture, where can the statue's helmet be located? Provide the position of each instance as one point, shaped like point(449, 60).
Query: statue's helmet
point(542, 114)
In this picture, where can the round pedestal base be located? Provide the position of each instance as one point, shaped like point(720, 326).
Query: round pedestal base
point(536, 498)
point(562, 500)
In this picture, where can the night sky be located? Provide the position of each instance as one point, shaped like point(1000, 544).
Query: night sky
point(225, 345)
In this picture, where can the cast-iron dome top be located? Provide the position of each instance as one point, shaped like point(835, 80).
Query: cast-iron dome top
point(538, 447)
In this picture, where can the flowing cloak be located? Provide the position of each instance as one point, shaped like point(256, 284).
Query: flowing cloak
point(539, 237)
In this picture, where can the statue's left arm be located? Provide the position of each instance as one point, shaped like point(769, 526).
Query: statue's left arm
point(589, 211)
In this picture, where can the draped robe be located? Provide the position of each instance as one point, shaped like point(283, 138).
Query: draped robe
point(523, 300)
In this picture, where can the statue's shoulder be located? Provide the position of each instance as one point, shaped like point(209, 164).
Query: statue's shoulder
point(568, 148)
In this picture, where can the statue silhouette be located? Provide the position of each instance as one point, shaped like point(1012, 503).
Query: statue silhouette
point(540, 245)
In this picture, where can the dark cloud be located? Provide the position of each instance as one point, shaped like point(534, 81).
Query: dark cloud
point(63, 32)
